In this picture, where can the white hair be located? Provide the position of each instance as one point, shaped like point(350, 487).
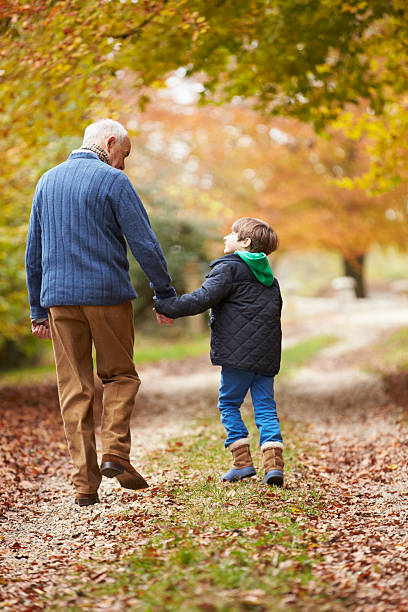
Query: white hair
point(96, 132)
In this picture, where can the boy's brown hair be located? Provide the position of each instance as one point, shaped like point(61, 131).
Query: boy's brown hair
point(263, 238)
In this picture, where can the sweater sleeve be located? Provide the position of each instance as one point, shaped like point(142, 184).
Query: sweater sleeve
point(33, 263)
point(216, 288)
point(135, 225)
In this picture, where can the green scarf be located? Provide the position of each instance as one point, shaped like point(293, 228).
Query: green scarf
point(258, 262)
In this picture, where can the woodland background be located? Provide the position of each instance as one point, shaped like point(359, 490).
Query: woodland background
point(295, 111)
point(292, 111)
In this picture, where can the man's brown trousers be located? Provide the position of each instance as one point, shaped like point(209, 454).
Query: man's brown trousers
point(73, 328)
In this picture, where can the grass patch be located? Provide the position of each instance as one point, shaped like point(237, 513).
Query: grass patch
point(301, 353)
point(195, 544)
point(393, 351)
point(153, 350)
point(147, 350)
point(27, 376)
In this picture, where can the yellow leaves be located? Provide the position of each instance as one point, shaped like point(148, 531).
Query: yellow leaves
point(346, 183)
point(157, 84)
point(385, 139)
point(59, 68)
point(323, 68)
point(354, 8)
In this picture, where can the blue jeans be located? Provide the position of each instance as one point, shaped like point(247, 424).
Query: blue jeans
point(235, 384)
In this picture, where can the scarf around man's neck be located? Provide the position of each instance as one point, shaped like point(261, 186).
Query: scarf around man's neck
point(103, 156)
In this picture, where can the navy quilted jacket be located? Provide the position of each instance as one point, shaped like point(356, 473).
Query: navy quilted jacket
point(245, 316)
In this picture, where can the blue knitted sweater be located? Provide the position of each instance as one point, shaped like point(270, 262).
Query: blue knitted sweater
point(76, 251)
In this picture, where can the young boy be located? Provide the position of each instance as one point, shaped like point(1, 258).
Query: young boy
point(245, 340)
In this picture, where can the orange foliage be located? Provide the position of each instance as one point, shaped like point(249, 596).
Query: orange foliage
point(225, 162)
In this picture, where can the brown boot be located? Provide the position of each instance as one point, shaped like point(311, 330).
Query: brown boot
point(242, 466)
point(114, 466)
point(273, 463)
point(86, 499)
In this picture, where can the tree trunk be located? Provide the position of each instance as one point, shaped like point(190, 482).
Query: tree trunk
point(355, 268)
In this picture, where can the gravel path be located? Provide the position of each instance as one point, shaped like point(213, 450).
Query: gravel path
point(342, 406)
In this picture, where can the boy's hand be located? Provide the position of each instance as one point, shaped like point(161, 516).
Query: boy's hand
point(41, 330)
point(161, 318)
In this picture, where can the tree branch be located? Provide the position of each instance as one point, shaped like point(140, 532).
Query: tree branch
point(140, 27)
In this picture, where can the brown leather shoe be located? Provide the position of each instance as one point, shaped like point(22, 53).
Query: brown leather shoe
point(116, 467)
point(86, 499)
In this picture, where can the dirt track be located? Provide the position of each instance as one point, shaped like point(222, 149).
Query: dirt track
point(361, 436)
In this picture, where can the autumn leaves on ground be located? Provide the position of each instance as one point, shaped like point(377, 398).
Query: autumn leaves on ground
point(334, 538)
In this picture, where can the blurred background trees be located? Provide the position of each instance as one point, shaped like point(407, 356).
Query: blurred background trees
point(304, 121)
point(229, 161)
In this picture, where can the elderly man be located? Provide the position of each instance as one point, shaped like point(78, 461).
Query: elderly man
point(80, 292)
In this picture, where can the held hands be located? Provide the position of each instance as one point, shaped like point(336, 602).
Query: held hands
point(41, 330)
point(161, 318)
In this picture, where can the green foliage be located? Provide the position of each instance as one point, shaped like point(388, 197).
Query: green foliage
point(16, 189)
point(300, 57)
point(61, 62)
point(303, 58)
point(182, 239)
point(384, 135)
point(13, 294)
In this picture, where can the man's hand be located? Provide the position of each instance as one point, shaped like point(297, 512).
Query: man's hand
point(161, 318)
point(41, 330)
